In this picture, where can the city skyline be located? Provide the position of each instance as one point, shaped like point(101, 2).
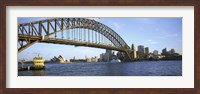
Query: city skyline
point(154, 33)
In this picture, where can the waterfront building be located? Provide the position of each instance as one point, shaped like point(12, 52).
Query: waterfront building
point(134, 53)
point(109, 51)
point(147, 50)
point(157, 57)
point(155, 52)
point(168, 53)
point(101, 57)
point(92, 59)
point(164, 51)
point(108, 56)
point(120, 55)
point(95, 59)
point(141, 52)
point(172, 51)
point(58, 59)
point(141, 49)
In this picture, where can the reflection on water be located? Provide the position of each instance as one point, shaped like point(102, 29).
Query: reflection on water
point(39, 72)
point(146, 68)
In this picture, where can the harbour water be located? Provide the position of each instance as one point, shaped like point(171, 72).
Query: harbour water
point(142, 68)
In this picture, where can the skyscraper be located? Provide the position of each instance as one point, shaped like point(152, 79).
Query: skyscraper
point(141, 49)
point(108, 54)
point(109, 51)
point(146, 50)
point(164, 51)
point(141, 52)
point(134, 54)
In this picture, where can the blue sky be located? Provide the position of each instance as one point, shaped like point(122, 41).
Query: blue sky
point(155, 33)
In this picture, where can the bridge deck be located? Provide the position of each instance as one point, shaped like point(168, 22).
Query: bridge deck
point(70, 42)
point(78, 43)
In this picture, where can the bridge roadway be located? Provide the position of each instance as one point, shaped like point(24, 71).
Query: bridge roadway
point(68, 42)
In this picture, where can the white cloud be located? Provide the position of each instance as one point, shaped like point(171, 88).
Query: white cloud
point(167, 35)
point(118, 25)
point(151, 42)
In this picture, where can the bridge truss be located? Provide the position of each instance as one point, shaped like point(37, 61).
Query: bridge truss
point(71, 31)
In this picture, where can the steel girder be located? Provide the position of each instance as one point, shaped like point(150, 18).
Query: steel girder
point(38, 30)
point(33, 32)
point(41, 28)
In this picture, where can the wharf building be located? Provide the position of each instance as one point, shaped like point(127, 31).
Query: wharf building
point(92, 59)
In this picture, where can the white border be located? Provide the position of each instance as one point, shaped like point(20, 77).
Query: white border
point(185, 81)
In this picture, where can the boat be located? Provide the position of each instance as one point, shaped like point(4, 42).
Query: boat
point(116, 61)
point(38, 64)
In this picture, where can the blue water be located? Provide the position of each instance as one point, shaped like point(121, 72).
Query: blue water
point(146, 68)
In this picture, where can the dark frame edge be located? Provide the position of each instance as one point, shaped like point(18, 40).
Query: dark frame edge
point(1, 30)
point(100, 2)
point(2, 47)
point(4, 90)
point(197, 46)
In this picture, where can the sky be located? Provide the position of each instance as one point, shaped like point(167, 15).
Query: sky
point(155, 33)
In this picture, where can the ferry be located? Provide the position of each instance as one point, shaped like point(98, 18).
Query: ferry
point(38, 62)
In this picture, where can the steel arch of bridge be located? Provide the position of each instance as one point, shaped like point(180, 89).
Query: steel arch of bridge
point(39, 31)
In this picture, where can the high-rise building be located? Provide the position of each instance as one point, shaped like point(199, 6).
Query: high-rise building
point(155, 52)
point(101, 57)
point(141, 52)
point(134, 54)
point(141, 49)
point(109, 51)
point(164, 51)
point(146, 50)
point(108, 56)
point(119, 55)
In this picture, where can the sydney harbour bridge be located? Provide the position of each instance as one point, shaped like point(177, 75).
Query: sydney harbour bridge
point(72, 31)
